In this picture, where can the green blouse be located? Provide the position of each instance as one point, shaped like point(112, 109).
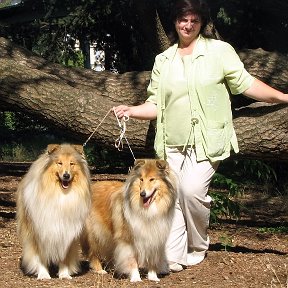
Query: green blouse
point(193, 98)
point(177, 99)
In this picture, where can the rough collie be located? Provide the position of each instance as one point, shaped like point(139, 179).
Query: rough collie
point(129, 222)
point(53, 201)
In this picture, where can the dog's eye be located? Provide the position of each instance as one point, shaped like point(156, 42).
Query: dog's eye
point(72, 163)
point(141, 179)
point(59, 163)
point(151, 179)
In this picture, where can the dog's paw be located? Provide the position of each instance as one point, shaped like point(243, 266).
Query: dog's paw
point(153, 276)
point(43, 272)
point(102, 272)
point(135, 276)
point(135, 279)
point(43, 275)
point(64, 272)
point(64, 276)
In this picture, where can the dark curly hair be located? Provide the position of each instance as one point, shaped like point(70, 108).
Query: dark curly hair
point(183, 7)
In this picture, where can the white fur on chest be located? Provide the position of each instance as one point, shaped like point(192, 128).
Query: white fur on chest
point(57, 219)
point(150, 232)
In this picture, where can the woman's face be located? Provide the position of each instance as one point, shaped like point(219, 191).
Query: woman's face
point(188, 27)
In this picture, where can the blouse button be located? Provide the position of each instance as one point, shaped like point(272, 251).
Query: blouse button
point(194, 120)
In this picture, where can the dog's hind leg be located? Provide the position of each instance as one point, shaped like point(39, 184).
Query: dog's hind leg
point(96, 265)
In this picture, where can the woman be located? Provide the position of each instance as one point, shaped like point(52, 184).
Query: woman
point(189, 95)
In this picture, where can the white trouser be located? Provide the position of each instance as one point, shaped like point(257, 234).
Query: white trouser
point(191, 220)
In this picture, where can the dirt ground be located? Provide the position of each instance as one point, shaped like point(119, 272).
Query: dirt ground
point(252, 258)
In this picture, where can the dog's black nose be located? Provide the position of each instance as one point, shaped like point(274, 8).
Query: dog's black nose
point(66, 176)
point(143, 194)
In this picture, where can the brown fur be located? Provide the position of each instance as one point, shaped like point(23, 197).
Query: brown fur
point(53, 200)
point(129, 222)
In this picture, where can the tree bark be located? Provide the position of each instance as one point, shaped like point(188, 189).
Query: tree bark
point(79, 100)
point(147, 13)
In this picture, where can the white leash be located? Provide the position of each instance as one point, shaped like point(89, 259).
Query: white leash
point(119, 140)
point(96, 128)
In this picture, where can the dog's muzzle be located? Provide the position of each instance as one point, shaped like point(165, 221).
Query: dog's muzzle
point(147, 200)
point(65, 180)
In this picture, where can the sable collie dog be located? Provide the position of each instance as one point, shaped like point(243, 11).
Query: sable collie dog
point(53, 201)
point(129, 222)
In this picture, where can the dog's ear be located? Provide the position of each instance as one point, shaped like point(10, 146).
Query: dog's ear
point(79, 149)
point(162, 164)
point(52, 147)
point(138, 163)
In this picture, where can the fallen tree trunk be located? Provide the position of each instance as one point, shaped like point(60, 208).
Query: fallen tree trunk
point(78, 100)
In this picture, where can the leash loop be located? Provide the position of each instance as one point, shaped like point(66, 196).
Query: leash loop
point(119, 141)
point(122, 125)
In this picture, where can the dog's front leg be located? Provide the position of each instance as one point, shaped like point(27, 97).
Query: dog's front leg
point(125, 261)
point(64, 272)
point(43, 272)
point(135, 275)
point(152, 275)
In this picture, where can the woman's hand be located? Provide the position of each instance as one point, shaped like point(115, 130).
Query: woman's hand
point(122, 110)
point(145, 111)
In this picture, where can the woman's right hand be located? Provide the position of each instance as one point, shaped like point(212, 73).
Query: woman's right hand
point(122, 110)
point(145, 111)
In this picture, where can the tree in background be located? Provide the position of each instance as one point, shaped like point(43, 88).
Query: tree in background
point(118, 28)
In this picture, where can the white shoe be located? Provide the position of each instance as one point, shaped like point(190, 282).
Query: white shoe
point(195, 258)
point(175, 267)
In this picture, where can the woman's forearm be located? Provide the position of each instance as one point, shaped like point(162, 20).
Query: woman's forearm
point(145, 111)
point(263, 92)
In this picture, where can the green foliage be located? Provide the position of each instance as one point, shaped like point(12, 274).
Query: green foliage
point(222, 205)
point(115, 27)
point(227, 184)
point(274, 230)
point(247, 170)
point(221, 181)
point(107, 160)
point(222, 14)
point(57, 47)
point(5, 3)
point(222, 201)
point(24, 138)
point(110, 25)
point(7, 121)
point(248, 21)
point(75, 59)
point(16, 122)
point(18, 152)
point(226, 241)
point(257, 170)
